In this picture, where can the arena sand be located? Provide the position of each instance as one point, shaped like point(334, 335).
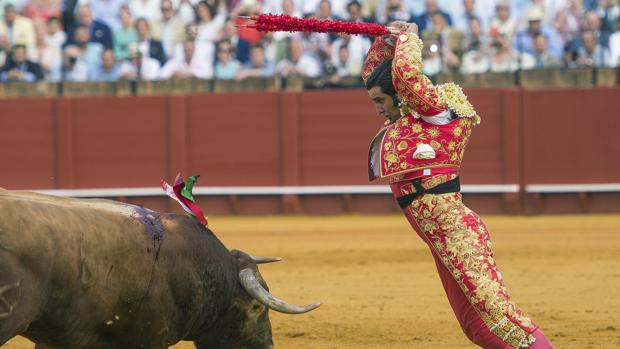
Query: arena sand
point(380, 289)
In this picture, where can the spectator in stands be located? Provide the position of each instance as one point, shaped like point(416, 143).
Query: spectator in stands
point(18, 29)
point(425, 21)
point(542, 57)
point(203, 49)
point(72, 68)
point(324, 10)
point(503, 58)
point(147, 9)
point(357, 47)
point(475, 47)
point(432, 62)
point(170, 30)
point(246, 37)
point(318, 44)
point(185, 10)
point(68, 14)
point(187, 66)
point(277, 7)
point(226, 66)
point(609, 12)
point(591, 53)
point(5, 49)
point(98, 31)
point(55, 35)
point(354, 11)
point(462, 21)
point(370, 10)
point(450, 41)
point(299, 63)
point(148, 46)
point(614, 46)
point(19, 68)
point(107, 12)
point(89, 51)
point(593, 24)
point(210, 20)
point(3, 4)
point(49, 52)
point(229, 32)
point(339, 9)
point(503, 24)
point(126, 36)
point(311, 7)
point(474, 38)
point(549, 9)
point(524, 40)
point(258, 66)
point(108, 70)
point(344, 66)
point(568, 23)
point(395, 10)
point(41, 10)
point(139, 66)
point(288, 8)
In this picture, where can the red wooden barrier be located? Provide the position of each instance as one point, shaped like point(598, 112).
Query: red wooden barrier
point(301, 138)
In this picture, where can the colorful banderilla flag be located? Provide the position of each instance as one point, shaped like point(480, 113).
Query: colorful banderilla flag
point(182, 193)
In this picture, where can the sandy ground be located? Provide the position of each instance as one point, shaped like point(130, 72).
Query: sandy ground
point(380, 289)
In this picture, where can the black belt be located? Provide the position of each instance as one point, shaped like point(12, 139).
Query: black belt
point(451, 186)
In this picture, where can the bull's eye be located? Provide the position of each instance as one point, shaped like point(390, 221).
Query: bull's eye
point(256, 307)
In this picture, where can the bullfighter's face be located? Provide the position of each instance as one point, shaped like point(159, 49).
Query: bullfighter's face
point(384, 104)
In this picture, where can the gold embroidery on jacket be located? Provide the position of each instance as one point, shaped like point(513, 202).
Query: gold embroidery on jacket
point(403, 137)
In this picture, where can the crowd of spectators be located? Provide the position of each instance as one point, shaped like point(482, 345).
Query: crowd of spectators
point(108, 40)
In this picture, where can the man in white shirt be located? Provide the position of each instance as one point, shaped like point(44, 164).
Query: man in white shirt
point(357, 46)
point(147, 9)
point(139, 67)
point(170, 30)
point(188, 66)
point(299, 62)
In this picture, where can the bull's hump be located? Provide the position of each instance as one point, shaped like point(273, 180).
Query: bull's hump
point(92, 205)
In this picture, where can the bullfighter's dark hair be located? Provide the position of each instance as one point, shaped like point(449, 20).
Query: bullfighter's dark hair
point(382, 77)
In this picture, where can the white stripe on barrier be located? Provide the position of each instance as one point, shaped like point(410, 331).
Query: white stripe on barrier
point(273, 190)
point(573, 188)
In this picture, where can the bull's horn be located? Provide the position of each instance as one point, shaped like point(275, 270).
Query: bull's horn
point(261, 260)
point(250, 283)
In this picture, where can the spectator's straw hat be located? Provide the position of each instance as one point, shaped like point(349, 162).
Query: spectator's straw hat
point(535, 13)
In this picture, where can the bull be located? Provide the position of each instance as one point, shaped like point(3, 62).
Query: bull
point(77, 273)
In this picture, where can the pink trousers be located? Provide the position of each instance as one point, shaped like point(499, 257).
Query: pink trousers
point(436, 224)
point(470, 321)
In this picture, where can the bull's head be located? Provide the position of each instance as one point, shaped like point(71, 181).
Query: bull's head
point(247, 319)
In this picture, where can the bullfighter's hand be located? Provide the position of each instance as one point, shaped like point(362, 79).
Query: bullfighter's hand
point(398, 27)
